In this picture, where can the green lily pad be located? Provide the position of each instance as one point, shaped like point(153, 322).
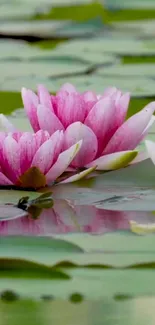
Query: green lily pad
point(142, 28)
point(128, 70)
point(122, 309)
point(92, 284)
point(9, 51)
point(41, 29)
point(127, 46)
point(10, 101)
point(139, 87)
point(136, 104)
point(83, 29)
point(15, 50)
point(128, 189)
point(79, 10)
point(69, 2)
point(18, 10)
point(42, 245)
point(21, 123)
point(29, 82)
point(139, 4)
point(40, 69)
point(56, 2)
point(28, 286)
point(13, 196)
point(130, 177)
point(49, 29)
point(124, 10)
point(29, 74)
point(124, 242)
point(89, 57)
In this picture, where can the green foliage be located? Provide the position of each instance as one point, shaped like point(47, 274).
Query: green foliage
point(137, 311)
point(138, 59)
point(76, 12)
point(9, 101)
point(129, 15)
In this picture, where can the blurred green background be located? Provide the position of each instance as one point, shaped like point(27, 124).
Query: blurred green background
point(94, 44)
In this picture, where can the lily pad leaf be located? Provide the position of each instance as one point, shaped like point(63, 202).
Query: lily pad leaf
point(12, 196)
point(129, 70)
point(138, 86)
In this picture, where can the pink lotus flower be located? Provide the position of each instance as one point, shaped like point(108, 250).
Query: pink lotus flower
point(33, 160)
point(108, 140)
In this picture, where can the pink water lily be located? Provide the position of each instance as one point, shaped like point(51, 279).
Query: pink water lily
point(109, 141)
point(34, 160)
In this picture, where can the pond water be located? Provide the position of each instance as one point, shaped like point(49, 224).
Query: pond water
point(90, 242)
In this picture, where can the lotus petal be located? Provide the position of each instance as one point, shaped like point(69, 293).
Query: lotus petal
point(67, 87)
point(113, 161)
point(64, 160)
point(128, 135)
point(11, 158)
point(122, 104)
point(89, 96)
point(78, 131)
point(44, 97)
point(70, 108)
point(47, 120)
point(31, 101)
point(101, 120)
point(48, 152)
point(28, 148)
point(4, 180)
point(40, 137)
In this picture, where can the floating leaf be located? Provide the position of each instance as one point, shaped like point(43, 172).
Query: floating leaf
point(11, 196)
point(140, 28)
point(138, 86)
point(127, 47)
point(43, 201)
point(48, 29)
point(139, 4)
point(34, 28)
point(92, 284)
point(80, 10)
point(129, 70)
point(122, 309)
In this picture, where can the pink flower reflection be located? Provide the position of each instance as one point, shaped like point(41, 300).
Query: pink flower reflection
point(66, 218)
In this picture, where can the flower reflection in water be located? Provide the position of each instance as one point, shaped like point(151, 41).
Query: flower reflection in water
point(65, 217)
